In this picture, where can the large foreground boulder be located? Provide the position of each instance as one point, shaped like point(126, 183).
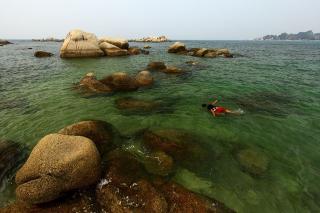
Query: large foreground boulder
point(119, 42)
point(102, 133)
point(57, 164)
point(80, 44)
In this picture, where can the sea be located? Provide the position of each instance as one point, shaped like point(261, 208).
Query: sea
point(274, 84)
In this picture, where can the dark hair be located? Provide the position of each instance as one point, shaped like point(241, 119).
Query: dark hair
point(204, 105)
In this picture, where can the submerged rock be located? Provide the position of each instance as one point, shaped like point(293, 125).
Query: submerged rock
point(11, 155)
point(127, 188)
point(80, 201)
point(80, 44)
point(182, 146)
point(57, 164)
point(90, 83)
point(136, 104)
point(158, 163)
point(177, 47)
point(42, 54)
point(119, 42)
point(102, 133)
point(181, 200)
point(120, 81)
point(252, 161)
point(144, 78)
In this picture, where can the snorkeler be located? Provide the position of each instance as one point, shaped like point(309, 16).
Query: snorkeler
point(219, 110)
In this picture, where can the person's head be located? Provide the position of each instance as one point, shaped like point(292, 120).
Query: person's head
point(204, 105)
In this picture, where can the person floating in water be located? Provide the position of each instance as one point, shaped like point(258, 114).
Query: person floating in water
point(219, 110)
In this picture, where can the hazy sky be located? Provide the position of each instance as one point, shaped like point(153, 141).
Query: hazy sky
point(177, 19)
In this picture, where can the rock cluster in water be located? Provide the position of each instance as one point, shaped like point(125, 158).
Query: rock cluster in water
point(180, 48)
point(118, 81)
point(71, 172)
point(152, 39)
point(162, 67)
point(79, 44)
point(4, 42)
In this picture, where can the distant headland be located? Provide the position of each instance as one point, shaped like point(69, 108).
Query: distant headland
point(308, 35)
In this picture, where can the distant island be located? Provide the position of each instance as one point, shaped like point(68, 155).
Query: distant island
point(49, 40)
point(151, 39)
point(309, 35)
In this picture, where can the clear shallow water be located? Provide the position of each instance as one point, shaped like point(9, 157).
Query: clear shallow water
point(275, 83)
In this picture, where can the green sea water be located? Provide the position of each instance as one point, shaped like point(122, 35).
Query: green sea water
point(276, 84)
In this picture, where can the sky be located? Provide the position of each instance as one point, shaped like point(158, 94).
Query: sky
point(177, 19)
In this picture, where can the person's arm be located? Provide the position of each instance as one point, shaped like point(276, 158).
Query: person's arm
point(214, 102)
point(212, 112)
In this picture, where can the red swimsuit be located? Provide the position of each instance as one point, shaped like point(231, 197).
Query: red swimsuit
point(219, 110)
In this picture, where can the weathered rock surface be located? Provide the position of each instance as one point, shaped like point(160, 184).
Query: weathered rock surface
point(147, 47)
point(57, 164)
point(112, 50)
point(102, 133)
point(89, 82)
point(120, 81)
point(156, 65)
point(119, 42)
point(177, 47)
point(4, 42)
point(80, 44)
point(134, 51)
point(42, 54)
point(80, 201)
point(252, 161)
point(172, 70)
point(144, 78)
point(160, 66)
point(180, 48)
